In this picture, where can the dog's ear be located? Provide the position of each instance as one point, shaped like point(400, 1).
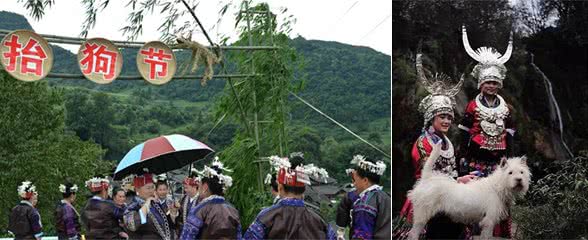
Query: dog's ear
point(503, 162)
point(524, 159)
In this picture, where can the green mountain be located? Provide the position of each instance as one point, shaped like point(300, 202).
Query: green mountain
point(351, 84)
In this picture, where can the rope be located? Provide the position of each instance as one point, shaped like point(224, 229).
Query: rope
point(339, 124)
point(370, 32)
point(334, 25)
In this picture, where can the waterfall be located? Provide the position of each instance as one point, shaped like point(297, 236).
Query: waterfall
point(552, 103)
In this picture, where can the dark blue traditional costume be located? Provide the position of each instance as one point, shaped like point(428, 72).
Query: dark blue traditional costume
point(156, 224)
point(290, 218)
point(213, 217)
point(24, 221)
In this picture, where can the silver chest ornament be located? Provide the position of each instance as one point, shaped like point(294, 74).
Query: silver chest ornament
point(492, 123)
point(447, 157)
point(492, 119)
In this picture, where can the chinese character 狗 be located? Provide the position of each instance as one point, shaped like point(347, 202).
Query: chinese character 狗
point(100, 60)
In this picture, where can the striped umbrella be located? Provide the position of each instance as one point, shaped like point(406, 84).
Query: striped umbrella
point(161, 154)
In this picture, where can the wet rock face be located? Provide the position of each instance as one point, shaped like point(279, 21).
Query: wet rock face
point(543, 146)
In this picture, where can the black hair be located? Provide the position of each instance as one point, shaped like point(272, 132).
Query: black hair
point(159, 183)
point(116, 190)
point(293, 189)
point(295, 161)
point(372, 177)
point(68, 185)
point(130, 194)
point(213, 182)
point(193, 174)
point(274, 183)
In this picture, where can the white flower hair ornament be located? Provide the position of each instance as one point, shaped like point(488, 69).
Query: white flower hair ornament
point(72, 189)
point(297, 154)
point(378, 168)
point(160, 178)
point(97, 184)
point(279, 162)
point(316, 172)
point(268, 179)
point(217, 163)
point(208, 172)
point(193, 171)
point(276, 163)
point(26, 190)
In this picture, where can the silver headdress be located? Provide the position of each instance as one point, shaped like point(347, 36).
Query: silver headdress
point(441, 93)
point(490, 65)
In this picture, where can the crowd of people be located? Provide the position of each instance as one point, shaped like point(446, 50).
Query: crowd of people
point(148, 212)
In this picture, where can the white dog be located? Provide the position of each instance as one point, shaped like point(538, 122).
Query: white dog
point(485, 201)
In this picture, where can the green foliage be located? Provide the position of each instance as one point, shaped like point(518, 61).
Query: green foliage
point(171, 9)
point(152, 126)
point(557, 203)
point(33, 147)
point(245, 194)
point(91, 118)
point(118, 121)
point(263, 95)
point(329, 211)
point(30, 119)
point(306, 140)
point(36, 8)
point(338, 69)
point(337, 155)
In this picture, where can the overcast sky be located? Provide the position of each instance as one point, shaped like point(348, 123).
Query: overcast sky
point(355, 22)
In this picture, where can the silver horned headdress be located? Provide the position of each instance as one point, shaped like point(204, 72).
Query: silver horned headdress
point(441, 93)
point(490, 65)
